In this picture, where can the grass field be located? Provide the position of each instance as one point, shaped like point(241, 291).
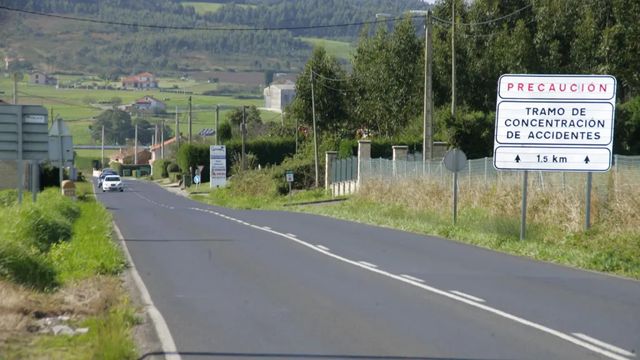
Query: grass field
point(75, 105)
point(339, 49)
point(203, 7)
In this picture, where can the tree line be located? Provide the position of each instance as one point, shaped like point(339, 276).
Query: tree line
point(383, 93)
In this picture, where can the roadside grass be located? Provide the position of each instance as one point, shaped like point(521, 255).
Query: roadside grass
point(489, 217)
point(47, 273)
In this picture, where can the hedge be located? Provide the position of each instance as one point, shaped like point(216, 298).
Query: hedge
point(270, 151)
point(192, 155)
point(159, 168)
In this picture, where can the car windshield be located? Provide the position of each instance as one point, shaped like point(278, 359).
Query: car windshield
point(112, 178)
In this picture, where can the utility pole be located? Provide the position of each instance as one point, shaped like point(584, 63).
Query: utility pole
point(243, 131)
point(61, 167)
point(162, 141)
point(102, 150)
point(177, 129)
point(190, 122)
point(135, 147)
point(217, 119)
point(15, 88)
point(428, 96)
point(427, 142)
point(315, 132)
point(453, 58)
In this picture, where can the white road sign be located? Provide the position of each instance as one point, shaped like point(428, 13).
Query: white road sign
point(218, 165)
point(554, 122)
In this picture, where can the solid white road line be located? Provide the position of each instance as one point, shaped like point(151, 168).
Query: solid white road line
point(368, 264)
point(162, 329)
point(412, 278)
point(604, 345)
point(420, 284)
point(470, 297)
point(290, 234)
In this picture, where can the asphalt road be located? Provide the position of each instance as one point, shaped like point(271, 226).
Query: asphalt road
point(237, 284)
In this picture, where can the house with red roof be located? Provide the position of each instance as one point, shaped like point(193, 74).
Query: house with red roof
point(141, 81)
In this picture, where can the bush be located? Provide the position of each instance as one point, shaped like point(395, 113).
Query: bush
point(269, 151)
point(224, 132)
point(160, 168)
point(52, 202)
point(192, 155)
point(173, 167)
point(174, 177)
point(116, 166)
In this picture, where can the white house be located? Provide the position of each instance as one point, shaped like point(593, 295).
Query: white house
point(149, 103)
point(278, 96)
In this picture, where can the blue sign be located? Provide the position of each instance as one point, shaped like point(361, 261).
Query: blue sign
point(196, 179)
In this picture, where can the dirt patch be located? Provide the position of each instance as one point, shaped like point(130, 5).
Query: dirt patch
point(21, 308)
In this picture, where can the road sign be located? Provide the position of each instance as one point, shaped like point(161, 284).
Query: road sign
point(455, 160)
point(554, 122)
point(289, 176)
point(196, 179)
point(58, 128)
point(218, 165)
point(23, 133)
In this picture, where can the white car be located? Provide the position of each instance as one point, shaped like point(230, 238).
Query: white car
point(112, 183)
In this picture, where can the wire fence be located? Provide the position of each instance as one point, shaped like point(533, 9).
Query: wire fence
point(625, 172)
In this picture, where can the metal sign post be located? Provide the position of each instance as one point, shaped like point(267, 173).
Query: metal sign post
point(289, 177)
point(555, 123)
point(455, 160)
point(23, 136)
point(217, 166)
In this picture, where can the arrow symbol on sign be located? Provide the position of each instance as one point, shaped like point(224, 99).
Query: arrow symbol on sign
point(586, 159)
point(517, 158)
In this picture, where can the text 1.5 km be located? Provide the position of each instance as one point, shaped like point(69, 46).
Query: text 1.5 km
point(552, 159)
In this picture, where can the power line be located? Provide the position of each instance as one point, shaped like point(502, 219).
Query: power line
point(328, 78)
point(205, 28)
point(484, 22)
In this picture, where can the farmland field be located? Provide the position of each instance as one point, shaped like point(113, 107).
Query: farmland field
point(78, 106)
point(205, 7)
point(339, 49)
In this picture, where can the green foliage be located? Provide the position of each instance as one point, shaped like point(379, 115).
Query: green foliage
point(117, 126)
point(191, 155)
point(160, 168)
point(267, 150)
point(91, 250)
point(252, 116)
point(627, 128)
point(329, 89)
point(386, 79)
point(116, 166)
point(41, 229)
point(470, 131)
point(173, 167)
point(8, 198)
point(25, 266)
point(224, 131)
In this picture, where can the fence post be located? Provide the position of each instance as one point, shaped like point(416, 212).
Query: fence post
point(469, 166)
point(330, 158)
point(399, 154)
point(364, 154)
point(485, 170)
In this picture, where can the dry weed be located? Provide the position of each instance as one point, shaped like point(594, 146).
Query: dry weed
point(21, 307)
